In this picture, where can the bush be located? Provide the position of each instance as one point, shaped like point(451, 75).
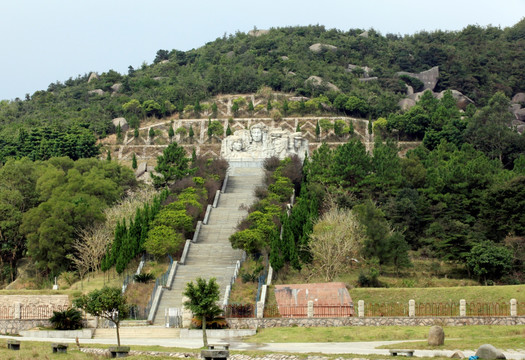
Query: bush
point(370, 279)
point(143, 278)
point(70, 319)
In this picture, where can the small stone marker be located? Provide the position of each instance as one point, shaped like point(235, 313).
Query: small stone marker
point(13, 344)
point(458, 354)
point(489, 352)
point(405, 352)
point(59, 348)
point(216, 352)
point(436, 336)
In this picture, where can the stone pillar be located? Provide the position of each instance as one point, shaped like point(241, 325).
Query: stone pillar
point(310, 311)
point(411, 308)
point(187, 315)
point(513, 307)
point(18, 313)
point(260, 309)
point(462, 307)
point(361, 308)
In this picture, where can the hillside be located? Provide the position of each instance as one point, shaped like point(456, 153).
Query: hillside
point(441, 99)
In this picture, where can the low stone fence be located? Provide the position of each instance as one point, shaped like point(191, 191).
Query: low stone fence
point(12, 327)
point(254, 323)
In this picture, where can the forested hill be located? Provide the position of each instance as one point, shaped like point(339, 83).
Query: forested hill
point(477, 61)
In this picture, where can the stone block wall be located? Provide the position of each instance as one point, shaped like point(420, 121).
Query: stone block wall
point(253, 323)
point(13, 327)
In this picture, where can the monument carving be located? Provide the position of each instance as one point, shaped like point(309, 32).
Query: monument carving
point(259, 143)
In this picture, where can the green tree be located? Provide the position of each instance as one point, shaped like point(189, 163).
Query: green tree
point(202, 301)
point(107, 303)
point(134, 162)
point(163, 240)
point(171, 165)
point(171, 133)
point(489, 261)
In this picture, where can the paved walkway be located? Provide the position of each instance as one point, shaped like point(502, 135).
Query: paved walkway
point(357, 348)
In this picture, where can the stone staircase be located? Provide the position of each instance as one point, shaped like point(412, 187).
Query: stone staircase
point(212, 254)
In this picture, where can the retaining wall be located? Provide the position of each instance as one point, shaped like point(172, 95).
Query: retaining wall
point(252, 323)
point(13, 327)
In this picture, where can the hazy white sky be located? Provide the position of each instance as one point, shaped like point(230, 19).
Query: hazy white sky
point(48, 40)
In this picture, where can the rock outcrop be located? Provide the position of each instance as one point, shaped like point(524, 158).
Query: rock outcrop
point(122, 122)
point(92, 76)
point(406, 104)
point(462, 101)
point(429, 78)
point(257, 33)
point(318, 47)
point(489, 352)
point(436, 336)
point(519, 98)
point(96, 91)
point(318, 81)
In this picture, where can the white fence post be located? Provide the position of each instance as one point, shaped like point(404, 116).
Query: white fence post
point(513, 307)
point(310, 311)
point(361, 308)
point(462, 307)
point(411, 308)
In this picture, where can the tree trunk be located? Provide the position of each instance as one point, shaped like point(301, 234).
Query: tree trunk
point(204, 336)
point(118, 334)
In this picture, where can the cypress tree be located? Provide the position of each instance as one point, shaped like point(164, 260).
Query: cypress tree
point(136, 133)
point(134, 162)
point(228, 130)
point(108, 157)
point(171, 133)
point(317, 130)
point(191, 133)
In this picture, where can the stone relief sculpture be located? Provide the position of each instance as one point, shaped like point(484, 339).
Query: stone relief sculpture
point(260, 142)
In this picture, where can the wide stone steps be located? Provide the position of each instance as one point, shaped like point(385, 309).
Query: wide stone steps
point(137, 332)
point(212, 255)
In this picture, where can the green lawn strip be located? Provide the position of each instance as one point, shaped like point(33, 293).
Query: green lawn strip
point(380, 333)
point(442, 294)
point(516, 343)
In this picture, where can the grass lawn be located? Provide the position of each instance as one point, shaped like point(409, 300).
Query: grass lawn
point(42, 350)
point(456, 337)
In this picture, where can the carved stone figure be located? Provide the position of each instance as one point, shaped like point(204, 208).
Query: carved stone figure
point(260, 142)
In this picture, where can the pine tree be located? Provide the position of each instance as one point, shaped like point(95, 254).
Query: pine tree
point(134, 162)
point(193, 156)
point(250, 107)
point(151, 133)
point(171, 133)
point(119, 132)
point(191, 133)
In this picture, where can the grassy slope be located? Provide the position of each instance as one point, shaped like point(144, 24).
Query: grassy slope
point(462, 337)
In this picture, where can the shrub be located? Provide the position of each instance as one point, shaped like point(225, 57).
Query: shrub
point(143, 278)
point(70, 319)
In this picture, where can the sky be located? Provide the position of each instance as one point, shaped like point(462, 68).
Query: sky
point(44, 41)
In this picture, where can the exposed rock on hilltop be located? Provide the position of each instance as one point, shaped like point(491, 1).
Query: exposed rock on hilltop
point(92, 76)
point(429, 78)
point(318, 47)
point(318, 81)
point(462, 101)
point(258, 32)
